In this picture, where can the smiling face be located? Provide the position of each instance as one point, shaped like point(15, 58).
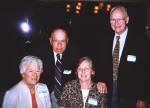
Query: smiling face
point(119, 20)
point(59, 41)
point(84, 71)
point(31, 75)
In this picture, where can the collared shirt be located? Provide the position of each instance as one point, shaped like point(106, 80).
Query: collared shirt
point(55, 57)
point(122, 42)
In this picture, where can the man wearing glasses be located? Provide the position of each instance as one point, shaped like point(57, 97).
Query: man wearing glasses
point(122, 62)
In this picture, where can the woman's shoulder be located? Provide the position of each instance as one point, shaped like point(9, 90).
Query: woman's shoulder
point(13, 91)
point(41, 86)
point(94, 89)
point(94, 85)
point(71, 84)
point(15, 87)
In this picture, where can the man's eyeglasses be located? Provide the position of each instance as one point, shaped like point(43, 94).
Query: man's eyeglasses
point(117, 20)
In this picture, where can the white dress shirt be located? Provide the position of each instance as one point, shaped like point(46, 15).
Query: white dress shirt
point(55, 57)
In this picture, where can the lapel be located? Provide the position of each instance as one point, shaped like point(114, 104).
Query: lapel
point(80, 99)
point(65, 56)
point(40, 101)
point(49, 62)
point(123, 57)
point(25, 95)
point(51, 55)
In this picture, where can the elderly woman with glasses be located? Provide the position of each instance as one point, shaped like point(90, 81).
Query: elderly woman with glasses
point(82, 93)
point(28, 93)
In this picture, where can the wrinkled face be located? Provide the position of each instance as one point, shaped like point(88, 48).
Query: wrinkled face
point(31, 75)
point(59, 41)
point(118, 20)
point(84, 71)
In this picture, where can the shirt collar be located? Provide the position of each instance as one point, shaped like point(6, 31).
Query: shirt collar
point(123, 35)
point(56, 54)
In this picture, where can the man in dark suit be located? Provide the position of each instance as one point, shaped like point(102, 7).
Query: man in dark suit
point(58, 44)
point(125, 87)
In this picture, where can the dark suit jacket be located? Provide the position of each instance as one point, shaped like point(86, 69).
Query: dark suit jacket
point(131, 74)
point(69, 60)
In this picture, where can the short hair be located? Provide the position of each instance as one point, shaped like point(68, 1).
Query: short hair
point(33, 60)
point(60, 28)
point(89, 60)
point(122, 7)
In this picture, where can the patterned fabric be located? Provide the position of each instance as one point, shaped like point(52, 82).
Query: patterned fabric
point(115, 57)
point(71, 96)
point(58, 77)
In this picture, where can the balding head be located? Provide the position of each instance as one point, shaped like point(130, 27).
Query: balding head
point(59, 40)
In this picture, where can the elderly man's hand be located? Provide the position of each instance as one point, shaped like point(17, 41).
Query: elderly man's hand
point(101, 87)
point(141, 104)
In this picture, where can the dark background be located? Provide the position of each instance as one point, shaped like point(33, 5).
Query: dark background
point(85, 30)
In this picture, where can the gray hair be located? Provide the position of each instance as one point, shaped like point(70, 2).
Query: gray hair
point(85, 58)
point(121, 7)
point(33, 60)
point(89, 60)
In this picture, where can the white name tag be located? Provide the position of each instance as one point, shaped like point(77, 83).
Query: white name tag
point(131, 58)
point(43, 93)
point(67, 72)
point(92, 101)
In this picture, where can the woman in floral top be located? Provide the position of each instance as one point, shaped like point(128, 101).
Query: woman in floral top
point(82, 93)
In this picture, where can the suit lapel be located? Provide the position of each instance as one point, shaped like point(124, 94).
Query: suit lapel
point(51, 55)
point(123, 57)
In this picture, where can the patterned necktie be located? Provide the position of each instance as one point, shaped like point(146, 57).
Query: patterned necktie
point(58, 77)
point(116, 60)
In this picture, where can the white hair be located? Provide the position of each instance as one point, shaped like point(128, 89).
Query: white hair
point(122, 7)
point(33, 60)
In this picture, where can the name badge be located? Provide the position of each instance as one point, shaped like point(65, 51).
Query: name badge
point(43, 93)
point(92, 101)
point(67, 72)
point(131, 58)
